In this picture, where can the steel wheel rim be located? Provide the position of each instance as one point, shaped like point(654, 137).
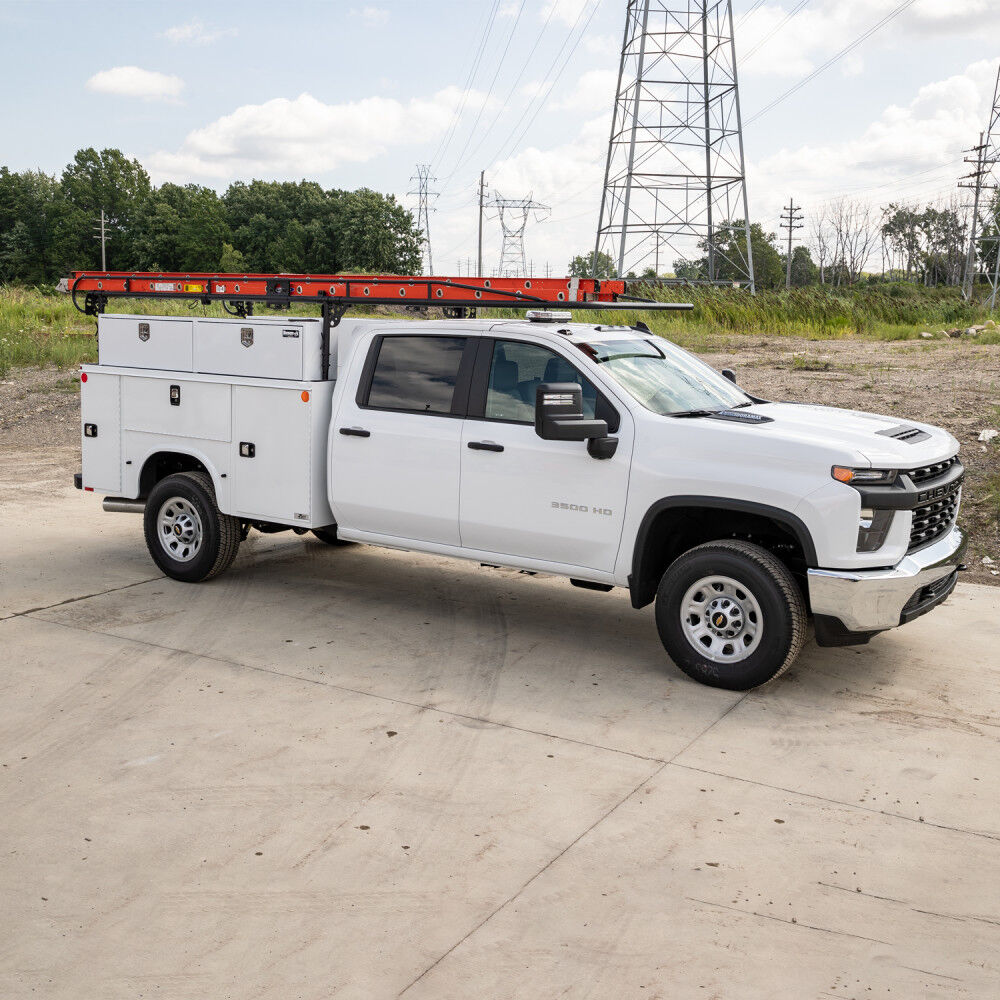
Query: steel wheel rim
point(179, 529)
point(721, 619)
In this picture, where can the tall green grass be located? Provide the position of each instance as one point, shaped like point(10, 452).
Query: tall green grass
point(41, 327)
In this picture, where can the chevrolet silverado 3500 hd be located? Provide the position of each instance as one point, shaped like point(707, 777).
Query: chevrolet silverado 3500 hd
point(603, 454)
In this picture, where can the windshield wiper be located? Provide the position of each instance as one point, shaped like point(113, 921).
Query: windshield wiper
point(695, 413)
point(739, 406)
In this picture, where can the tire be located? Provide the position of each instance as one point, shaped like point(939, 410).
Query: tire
point(187, 535)
point(730, 615)
point(329, 535)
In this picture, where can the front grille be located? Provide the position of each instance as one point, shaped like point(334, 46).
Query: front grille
point(927, 472)
point(935, 518)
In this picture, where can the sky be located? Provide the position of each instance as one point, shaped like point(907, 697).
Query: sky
point(357, 93)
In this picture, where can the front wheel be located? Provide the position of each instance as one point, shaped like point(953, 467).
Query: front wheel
point(730, 615)
point(187, 535)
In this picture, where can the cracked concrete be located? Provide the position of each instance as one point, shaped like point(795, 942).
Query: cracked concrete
point(358, 773)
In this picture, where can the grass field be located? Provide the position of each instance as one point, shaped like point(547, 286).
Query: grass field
point(41, 327)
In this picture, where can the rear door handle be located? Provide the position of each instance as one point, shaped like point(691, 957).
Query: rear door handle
point(485, 446)
point(358, 432)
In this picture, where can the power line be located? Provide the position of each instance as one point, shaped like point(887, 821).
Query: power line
point(482, 107)
point(833, 59)
point(456, 115)
point(756, 48)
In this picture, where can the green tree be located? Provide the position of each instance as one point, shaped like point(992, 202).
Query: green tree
point(582, 266)
point(231, 261)
point(377, 234)
point(110, 181)
point(804, 269)
point(731, 254)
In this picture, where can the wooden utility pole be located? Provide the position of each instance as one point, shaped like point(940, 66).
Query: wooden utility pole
point(791, 219)
point(482, 191)
point(102, 237)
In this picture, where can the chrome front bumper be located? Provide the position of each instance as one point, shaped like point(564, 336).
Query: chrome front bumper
point(870, 600)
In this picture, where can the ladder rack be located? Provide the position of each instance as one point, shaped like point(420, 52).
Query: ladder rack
point(336, 293)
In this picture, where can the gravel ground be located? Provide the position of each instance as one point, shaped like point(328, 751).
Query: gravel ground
point(952, 383)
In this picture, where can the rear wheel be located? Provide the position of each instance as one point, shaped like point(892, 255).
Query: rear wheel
point(730, 615)
point(187, 535)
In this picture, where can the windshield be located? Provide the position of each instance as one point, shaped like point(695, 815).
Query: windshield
point(664, 378)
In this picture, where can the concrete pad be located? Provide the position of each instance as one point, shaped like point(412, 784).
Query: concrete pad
point(908, 725)
point(714, 887)
point(56, 544)
point(179, 827)
point(531, 652)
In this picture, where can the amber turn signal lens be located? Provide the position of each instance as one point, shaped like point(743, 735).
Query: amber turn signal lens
point(305, 395)
point(842, 475)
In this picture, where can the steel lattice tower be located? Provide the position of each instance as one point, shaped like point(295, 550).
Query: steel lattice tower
point(984, 224)
point(675, 179)
point(424, 195)
point(514, 214)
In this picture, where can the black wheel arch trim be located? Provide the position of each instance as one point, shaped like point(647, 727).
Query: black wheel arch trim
point(641, 587)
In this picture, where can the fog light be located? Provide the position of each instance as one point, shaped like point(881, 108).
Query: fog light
point(873, 527)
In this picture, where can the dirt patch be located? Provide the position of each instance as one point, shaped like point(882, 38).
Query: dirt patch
point(954, 384)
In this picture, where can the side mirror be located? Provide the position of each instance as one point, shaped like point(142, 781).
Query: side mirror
point(559, 417)
point(729, 374)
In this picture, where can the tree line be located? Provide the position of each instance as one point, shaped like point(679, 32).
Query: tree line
point(51, 225)
point(849, 242)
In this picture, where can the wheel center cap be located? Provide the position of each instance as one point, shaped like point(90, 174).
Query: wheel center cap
point(725, 617)
point(177, 529)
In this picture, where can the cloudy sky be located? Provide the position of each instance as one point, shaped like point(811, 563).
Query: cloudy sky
point(357, 93)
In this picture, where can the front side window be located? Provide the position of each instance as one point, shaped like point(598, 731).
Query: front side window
point(663, 377)
point(518, 368)
point(416, 374)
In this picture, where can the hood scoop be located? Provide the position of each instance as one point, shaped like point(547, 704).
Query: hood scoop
point(911, 435)
point(741, 417)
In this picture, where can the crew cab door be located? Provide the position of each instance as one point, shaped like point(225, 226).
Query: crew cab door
point(523, 496)
point(395, 444)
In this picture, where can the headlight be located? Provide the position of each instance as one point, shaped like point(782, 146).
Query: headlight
point(864, 477)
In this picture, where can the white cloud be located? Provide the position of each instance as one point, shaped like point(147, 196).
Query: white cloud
point(767, 44)
point(196, 32)
point(131, 81)
point(304, 136)
point(909, 152)
point(373, 17)
point(566, 11)
point(595, 89)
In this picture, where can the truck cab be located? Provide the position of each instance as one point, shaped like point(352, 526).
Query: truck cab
point(603, 454)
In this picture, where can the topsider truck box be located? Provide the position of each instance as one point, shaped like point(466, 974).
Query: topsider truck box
point(281, 347)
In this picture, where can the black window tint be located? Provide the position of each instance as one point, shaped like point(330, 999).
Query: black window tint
point(416, 373)
point(517, 369)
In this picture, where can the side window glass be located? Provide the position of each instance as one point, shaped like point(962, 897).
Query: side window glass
point(416, 374)
point(517, 369)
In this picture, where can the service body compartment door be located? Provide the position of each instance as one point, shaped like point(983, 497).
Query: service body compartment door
point(162, 343)
point(177, 407)
point(271, 454)
point(258, 348)
point(100, 414)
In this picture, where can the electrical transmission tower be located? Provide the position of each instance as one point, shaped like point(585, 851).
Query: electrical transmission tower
point(675, 180)
point(514, 214)
point(791, 219)
point(424, 195)
point(984, 224)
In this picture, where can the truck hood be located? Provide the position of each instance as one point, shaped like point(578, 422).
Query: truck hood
point(857, 431)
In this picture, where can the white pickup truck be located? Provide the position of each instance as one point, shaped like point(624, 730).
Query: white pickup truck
point(603, 454)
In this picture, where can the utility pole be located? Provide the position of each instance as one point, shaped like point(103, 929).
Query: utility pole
point(482, 192)
point(984, 225)
point(791, 219)
point(424, 195)
point(102, 237)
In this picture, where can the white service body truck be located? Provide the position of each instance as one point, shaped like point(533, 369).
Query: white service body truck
point(602, 454)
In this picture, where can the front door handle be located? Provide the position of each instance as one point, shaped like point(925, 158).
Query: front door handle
point(485, 446)
point(358, 432)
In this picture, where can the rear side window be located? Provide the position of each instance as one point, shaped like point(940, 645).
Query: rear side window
point(416, 374)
